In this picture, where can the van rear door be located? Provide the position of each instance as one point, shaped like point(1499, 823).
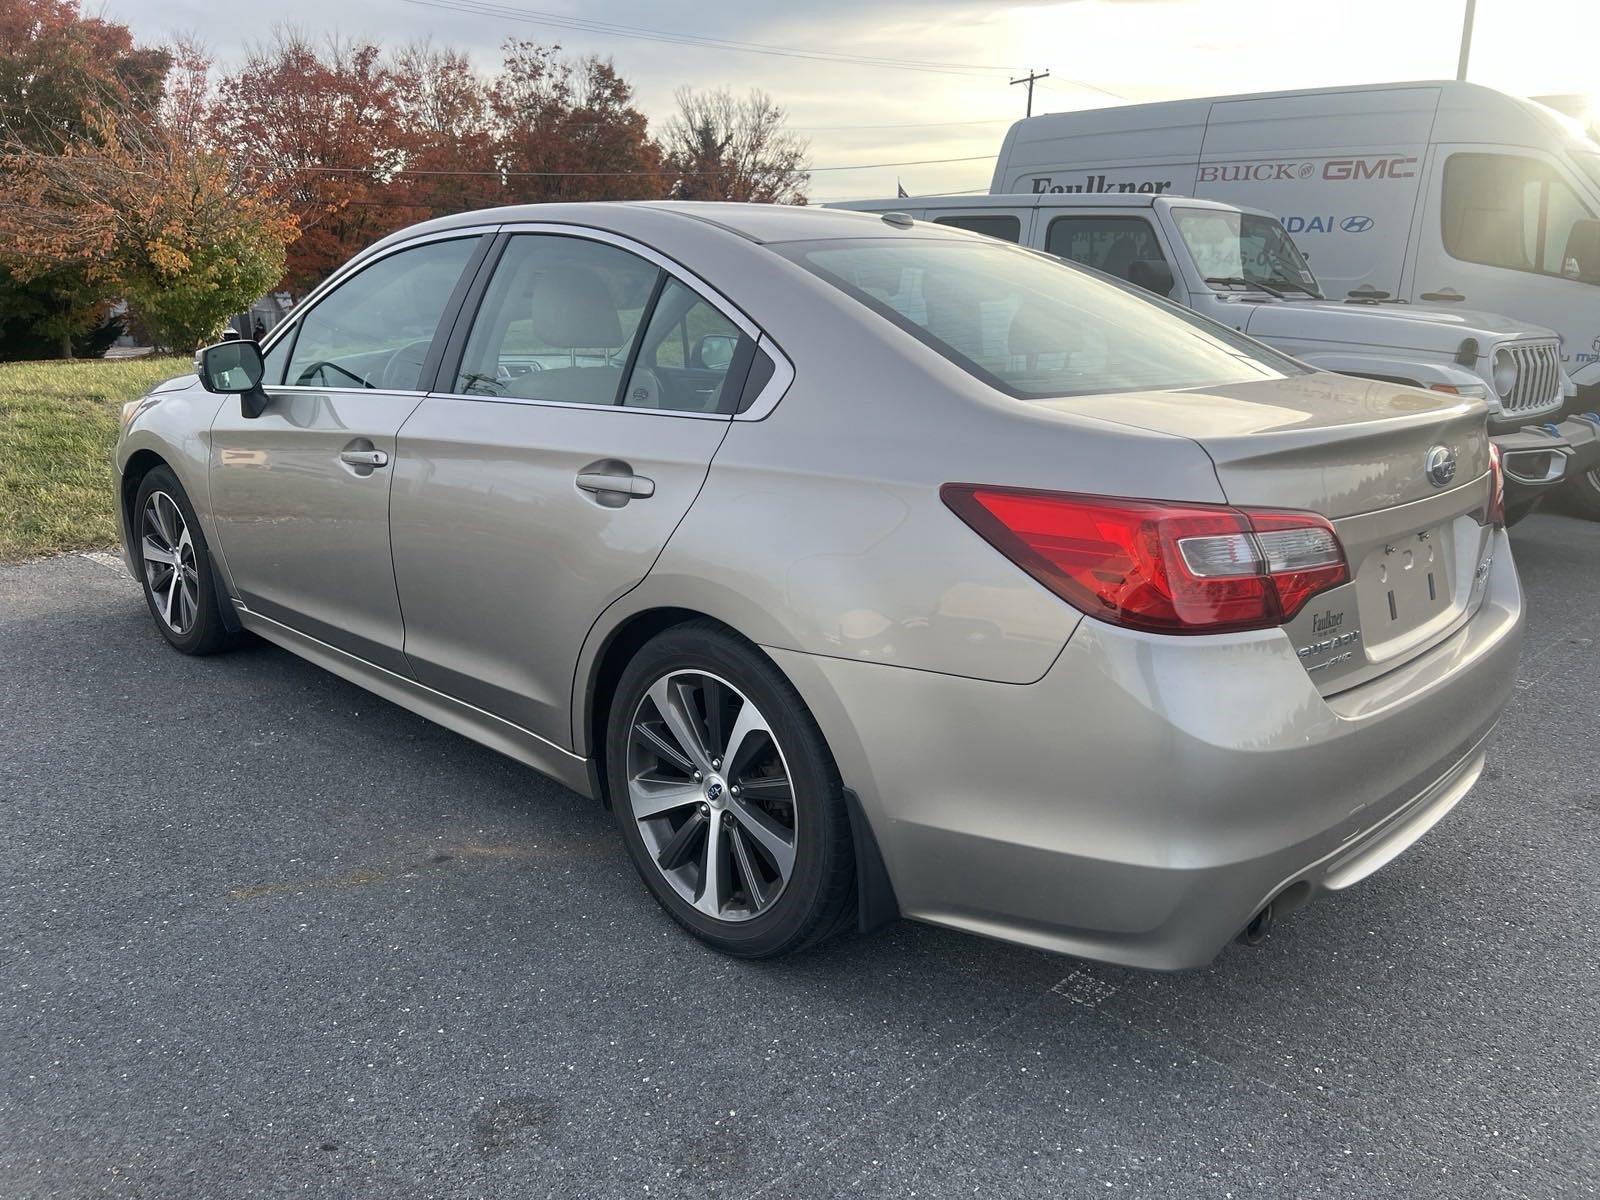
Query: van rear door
point(1342, 170)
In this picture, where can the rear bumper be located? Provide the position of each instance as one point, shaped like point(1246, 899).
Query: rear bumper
point(1537, 458)
point(1146, 797)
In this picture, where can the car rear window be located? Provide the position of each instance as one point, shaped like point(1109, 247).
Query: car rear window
point(1031, 325)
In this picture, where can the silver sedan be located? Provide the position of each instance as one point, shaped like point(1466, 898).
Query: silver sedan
point(862, 567)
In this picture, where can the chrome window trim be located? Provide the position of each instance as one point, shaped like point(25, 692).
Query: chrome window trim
point(571, 405)
point(356, 265)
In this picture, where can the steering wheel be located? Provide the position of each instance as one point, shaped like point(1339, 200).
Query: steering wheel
point(316, 368)
point(407, 359)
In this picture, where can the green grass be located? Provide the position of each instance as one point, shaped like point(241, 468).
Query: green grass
point(58, 421)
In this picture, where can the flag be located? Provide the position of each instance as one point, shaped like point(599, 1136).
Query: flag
point(900, 192)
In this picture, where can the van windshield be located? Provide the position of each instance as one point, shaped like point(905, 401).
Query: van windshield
point(1237, 249)
point(1032, 325)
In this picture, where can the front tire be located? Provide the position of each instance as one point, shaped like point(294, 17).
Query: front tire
point(174, 564)
point(728, 800)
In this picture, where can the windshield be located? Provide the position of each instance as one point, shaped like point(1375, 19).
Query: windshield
point(1590, 162)
point(1237, 249)
point(1031, 325)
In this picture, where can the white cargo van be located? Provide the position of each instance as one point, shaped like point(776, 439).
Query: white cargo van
point(1439, 192)
point(1238, 266)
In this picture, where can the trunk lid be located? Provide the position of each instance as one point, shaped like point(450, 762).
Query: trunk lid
point(1358, 452)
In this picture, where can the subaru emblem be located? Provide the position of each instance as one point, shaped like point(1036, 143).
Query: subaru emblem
point(1441, 465)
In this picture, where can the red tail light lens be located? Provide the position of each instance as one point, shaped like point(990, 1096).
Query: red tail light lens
point(1166, 568)
point(1497, 488)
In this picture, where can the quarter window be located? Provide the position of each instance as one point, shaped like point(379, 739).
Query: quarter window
point(1006, 228)
point(1508, 210)
point(374, 330)
point(1115, 245)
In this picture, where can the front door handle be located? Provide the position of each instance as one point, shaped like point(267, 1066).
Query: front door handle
point(364, 458)
point(636, 486)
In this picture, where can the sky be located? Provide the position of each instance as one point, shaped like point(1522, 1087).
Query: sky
point(957, 103)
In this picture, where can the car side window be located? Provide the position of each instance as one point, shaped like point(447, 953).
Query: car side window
point(276, 359)
point(1508, 210)
point(687, 357)
point(374, 330)
point(1115, 245)
point(1006, 228)
point(558, 321)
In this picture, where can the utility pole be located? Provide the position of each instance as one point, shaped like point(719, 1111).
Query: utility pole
point(1466, 39)
point(1029, 80)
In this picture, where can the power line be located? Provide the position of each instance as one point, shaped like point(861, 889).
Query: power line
point(486, 8)
point(911, 125)
point(388, 173)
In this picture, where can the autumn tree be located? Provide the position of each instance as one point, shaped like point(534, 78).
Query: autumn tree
point(566, 129)
point(142, 215)
point(315, 125)
point(445, 140)
point(726, 148)
point(57, 70)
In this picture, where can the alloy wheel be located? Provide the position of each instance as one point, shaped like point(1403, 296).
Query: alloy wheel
point(170, 570)
point(711, 794)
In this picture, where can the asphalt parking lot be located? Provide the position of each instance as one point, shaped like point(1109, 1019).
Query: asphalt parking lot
point(262, 934)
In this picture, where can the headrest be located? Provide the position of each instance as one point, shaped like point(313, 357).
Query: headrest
point(573, 309)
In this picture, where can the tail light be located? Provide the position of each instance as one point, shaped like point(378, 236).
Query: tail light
point(1497, 488)
point(1165, 568)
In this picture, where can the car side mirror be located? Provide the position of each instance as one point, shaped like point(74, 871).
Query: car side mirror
point(234, 368)
point(1581, 261)
point(1152, 274)
point(714, 351)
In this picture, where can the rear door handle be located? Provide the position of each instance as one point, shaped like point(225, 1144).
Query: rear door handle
point(364, 458)
point(636, 486)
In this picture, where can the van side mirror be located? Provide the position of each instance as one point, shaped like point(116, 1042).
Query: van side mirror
point(1152, 274)
point(1581, 261)
point(234, 368)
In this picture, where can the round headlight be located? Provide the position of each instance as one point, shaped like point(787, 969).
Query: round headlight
point(1505, 373)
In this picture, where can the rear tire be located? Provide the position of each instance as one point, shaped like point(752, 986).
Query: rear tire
point(169, 550)
point(712, 758)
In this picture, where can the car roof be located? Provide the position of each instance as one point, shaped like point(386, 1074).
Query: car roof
point(760, 223)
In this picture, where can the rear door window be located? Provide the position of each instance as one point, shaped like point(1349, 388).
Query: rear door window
point(1115, 245)
point(689, 353)
point(558, 321)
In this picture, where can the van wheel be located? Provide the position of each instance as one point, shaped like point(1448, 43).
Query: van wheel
point(174, 565)
point(727, 797)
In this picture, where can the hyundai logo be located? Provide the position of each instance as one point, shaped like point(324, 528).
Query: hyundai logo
point(1440, 465)
point(1356, 224)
